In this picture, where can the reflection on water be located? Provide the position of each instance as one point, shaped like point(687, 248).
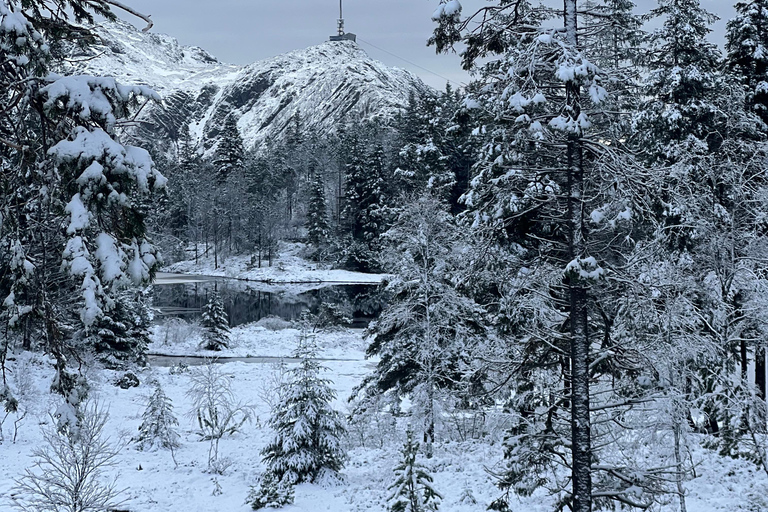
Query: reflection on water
point(247, 302)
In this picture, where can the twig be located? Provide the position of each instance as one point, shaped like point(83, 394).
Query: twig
point(136, 13)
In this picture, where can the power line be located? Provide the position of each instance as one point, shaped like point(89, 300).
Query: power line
point(460, 84)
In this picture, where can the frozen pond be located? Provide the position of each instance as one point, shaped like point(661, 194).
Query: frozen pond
point(250, 301)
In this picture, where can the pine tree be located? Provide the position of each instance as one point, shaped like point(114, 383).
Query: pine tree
point(72, 197)
point(317, 214)
point(230, 155)
point(747, 48)
point(428, 333)
point(216, 324)
point(270, 493)
point(308, 432)
point(413, 491)
point(158, 425)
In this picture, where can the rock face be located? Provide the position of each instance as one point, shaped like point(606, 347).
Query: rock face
point(327, 84)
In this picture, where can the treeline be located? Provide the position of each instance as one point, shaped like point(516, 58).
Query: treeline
point(339, 192)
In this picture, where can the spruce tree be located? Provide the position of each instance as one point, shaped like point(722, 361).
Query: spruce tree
point(270, 492)
point(230, 155)
point(556, 189)
point(216, 324)
point(427, 335)
point(747, 49)
point(308, 432)
point(158, 425)
point(72, 197)
point(413, 491)
point(317, 214)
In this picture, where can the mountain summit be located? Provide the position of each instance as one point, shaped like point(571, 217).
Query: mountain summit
point(328, 84)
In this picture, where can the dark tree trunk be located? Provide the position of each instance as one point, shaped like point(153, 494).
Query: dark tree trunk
point(581, 436)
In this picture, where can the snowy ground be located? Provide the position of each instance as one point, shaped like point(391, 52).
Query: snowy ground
point(289, 267)
point(154, 485)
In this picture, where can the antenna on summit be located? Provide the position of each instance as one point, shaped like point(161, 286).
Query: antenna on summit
point(342, 36)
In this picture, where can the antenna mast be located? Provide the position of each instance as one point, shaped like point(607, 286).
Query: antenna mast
point(342, 34)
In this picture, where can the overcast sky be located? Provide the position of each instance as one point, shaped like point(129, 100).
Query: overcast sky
point(244, 31)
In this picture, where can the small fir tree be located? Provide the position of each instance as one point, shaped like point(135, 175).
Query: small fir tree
point(270, 493)
point(158, 426)
point(216, 323)
point(308, 436)
point(413, 491)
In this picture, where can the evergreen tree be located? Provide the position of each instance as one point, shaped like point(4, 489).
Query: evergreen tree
point(413, 491)
point(317, 214)
point(72, 197)
point(216, 324)
point(308, 432)
point(560, 194)
point(158, 425)
point(747, 48)
point(123, 336)
point(427, 335)
point(270, 493)
point(230, 154)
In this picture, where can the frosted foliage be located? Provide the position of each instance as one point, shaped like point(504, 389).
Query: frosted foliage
point(308, 432)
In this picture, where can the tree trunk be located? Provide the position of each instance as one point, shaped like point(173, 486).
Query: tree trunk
point(581, 437)
point(760, 410)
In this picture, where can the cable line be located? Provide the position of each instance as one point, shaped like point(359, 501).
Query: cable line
point(460, 84)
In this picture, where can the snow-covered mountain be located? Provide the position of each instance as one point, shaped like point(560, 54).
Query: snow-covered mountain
point(326, 84)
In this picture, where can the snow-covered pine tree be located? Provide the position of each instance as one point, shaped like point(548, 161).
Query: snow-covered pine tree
point(562, 197)
point(428, 333)
point(123, 336)
point(230, 154)
point(158, 423)
point(216, 323)
point(72, 215)
point(747, 49)
point(317, 213)
point(308, 432)
point(413, 491)
point(270, 492)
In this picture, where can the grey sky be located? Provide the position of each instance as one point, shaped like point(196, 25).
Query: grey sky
point(243, 31)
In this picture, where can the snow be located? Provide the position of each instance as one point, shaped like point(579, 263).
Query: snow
point(154, 485)
point(289, 267)
point(80, 217)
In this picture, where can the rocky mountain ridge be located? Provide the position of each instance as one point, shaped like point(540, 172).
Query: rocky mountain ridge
point(325, 85)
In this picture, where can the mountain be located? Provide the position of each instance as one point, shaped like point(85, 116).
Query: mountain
point(327, 84)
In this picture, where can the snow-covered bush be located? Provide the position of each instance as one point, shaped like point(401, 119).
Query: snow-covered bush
point(216, 410)
point(216, 324)
point(413, 491)
point(175, 331)
point(308, 431)
point(270, 492)
point(158, 425)
point(69, 467)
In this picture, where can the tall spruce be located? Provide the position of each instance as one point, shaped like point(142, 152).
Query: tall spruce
point(317, 214)
point(747, 49)
point(230, 154)
point(562, 196)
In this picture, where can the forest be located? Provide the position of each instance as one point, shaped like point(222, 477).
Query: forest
point(575, 258)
